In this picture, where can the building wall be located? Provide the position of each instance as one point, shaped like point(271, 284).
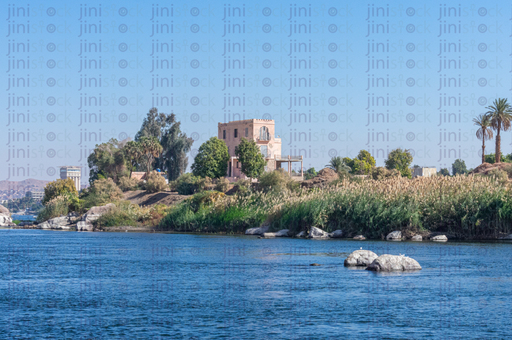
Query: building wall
point(424, 172)
point(253, 126)
point(75, 173)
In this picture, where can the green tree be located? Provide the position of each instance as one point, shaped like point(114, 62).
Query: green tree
point(401, 160)
point(211, 159)
point(444, 172)
point(338, 164)
point(484, 131)
point(500, 114)
point(363, 163)
point(459, 167)
point(310, 173)
point(176, 145)
point(133, 153)
point(107, 161)
point(249, 154)
point(150, 150)
point(58, 188)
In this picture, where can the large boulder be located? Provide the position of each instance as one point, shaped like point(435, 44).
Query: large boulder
point(508, 237)
point(5, 217)
point(315, 232)
point(439, 238)
point(336, 234)
point(360, 258)
point(417, 238)
point(359, 237)
point(95, 212)
point(59, 223)
point(392, 263)
point(257, 231)
point(280, 233)
point(394, 236)
point(301, 234)
point(84, 226)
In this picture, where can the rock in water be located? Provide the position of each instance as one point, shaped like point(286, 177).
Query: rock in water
point(5, 217)
point(301, 234)
point(280, 233)
point(360, 258)
point(95, 212)
point(315, 264)
point(392, 263)
point(417, 238)
point(315, 232)
point(394, 236)
point(59, 223)
point(359, 237)
point(336, 234)
point(439, 238)
point(84, 226)
point(257, 231)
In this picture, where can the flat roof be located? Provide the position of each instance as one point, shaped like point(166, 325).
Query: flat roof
point(248, 121)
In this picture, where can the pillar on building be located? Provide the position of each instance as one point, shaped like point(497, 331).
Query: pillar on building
point(232, 168)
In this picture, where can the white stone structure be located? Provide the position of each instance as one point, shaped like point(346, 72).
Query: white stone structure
point(423, 172)
point(73, 172)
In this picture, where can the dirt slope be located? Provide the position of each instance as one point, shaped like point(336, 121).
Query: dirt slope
point(141, 197)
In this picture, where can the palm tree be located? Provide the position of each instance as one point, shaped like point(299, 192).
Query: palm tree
point(337, 164)
point(484, 131)
point(133, 152)
point(151, 149)
point(500, 114)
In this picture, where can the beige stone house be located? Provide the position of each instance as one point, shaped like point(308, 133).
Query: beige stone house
point(262, 131)
point(424, 172)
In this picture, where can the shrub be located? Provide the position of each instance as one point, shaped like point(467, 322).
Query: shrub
point(381, 173)
point(188, 184)
point(155, 182)
point(499, 175)
point(101, 192)
point(222, 184)
point(123, 214)
point(128, 184)
point(58, 206)
point(277, 180)
point(57, 188)
point(242, 185)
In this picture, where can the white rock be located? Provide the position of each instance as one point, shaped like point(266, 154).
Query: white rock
point(508, 237)
point(315, 232)
point(95, 212)
point(391, 263)
point(301, 234)
point(280, 233)
point(59, 223)
point(417, 238)
point(439, 238)
point(257, 231)
point(84, 226)
point(5, 217)
point(395, 235)
point(359, 237)
point(360, 258)
point(336, 234)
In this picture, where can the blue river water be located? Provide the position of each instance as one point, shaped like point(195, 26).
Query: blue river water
point(69, 285)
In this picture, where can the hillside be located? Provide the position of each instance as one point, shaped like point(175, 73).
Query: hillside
point(143, 198)
point(25, 185)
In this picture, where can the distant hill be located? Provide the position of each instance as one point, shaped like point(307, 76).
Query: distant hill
point(25, 185)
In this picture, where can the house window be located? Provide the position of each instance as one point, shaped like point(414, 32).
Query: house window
point(264, 133)
point(223, 134)
point(246, 132)
point(236, 133)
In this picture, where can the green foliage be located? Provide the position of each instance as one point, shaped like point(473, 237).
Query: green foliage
point(150, 150)
point(310, 173)
point(459, 167)
point(128, 184)
point(500, 115)
point(444, 172)
point(242, 186)
point(211, 159)
point(401, 160)
point(363, 163)
point(16, 222)
point(58, 188)
point(101, 192)
point(500, 176)
point(57, 206)
point(340, 165)
point(107, 160)
point(155, 182)
point(490, 158)
point(380, 173)
point(123, 214)
point(249, 154)
point(133, 153)
point(188, 184)
point(222, 184)
point(277, 180)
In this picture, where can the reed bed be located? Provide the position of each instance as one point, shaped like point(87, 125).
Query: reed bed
point(464, 206)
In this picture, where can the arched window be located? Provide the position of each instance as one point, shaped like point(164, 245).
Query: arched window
point(264, 133)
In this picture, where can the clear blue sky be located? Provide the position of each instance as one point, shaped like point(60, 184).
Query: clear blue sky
point(336, 77)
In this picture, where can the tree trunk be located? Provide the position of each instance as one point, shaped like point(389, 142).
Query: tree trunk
point(483, 149)
point(498, 145)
